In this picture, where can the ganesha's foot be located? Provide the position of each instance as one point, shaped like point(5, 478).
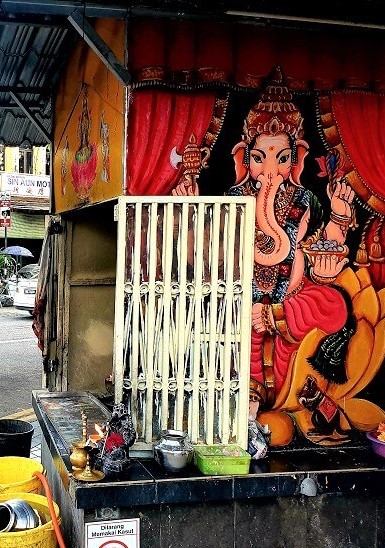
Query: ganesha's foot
point(280, 425)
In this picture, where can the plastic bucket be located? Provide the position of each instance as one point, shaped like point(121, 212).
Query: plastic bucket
point(16, 475)
point(42, 536)
point(15, 438)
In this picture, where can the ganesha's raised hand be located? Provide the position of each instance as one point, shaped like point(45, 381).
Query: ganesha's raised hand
point(185, 188)
point(341, 198)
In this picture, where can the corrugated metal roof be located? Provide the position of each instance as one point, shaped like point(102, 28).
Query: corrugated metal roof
point(30, 59)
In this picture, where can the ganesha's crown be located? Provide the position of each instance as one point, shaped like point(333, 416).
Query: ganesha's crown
point(274, 112)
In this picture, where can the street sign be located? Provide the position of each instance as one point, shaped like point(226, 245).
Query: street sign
point(122, 533)
point(24, 184)
point(5, 208)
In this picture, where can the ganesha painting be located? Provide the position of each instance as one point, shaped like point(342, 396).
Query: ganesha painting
point(317, 337)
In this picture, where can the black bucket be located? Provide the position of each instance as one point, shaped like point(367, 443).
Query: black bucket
point(15, 438)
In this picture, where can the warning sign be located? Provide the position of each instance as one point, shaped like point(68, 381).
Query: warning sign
point(5, 209)
point(122, 533)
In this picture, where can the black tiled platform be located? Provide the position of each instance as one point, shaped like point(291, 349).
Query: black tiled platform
point(344, 470)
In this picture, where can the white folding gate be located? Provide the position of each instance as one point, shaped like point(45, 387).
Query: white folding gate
point(183, 316)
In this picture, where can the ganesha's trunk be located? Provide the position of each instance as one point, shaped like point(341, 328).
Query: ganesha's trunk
point(272, 243)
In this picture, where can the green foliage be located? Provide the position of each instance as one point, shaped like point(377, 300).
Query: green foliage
point(7, 266)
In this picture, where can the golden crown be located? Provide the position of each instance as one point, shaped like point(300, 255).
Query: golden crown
point(274, 113)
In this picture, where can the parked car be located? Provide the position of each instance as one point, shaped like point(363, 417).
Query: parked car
point(25, 290)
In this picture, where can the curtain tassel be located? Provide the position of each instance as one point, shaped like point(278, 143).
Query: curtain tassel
point(375, 253)
point(375, 250)
point(362, 254)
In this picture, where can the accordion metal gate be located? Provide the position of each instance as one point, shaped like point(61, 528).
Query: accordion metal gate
point(183, 316)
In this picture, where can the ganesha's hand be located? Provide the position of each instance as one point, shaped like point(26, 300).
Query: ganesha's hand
point(262, 318)
point(341, 199)
point(185, 188)
point(327, 267)
point(256, 318)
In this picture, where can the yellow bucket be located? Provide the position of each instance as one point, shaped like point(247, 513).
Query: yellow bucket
point(40, 537)
point(16, 475)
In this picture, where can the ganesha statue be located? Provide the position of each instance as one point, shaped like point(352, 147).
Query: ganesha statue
point(309, 315)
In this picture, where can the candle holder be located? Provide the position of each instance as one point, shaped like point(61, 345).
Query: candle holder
point(78, 456)
point(84, 426)
point(88, 474)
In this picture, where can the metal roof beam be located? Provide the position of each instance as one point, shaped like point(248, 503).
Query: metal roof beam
point(33, 90)
point(364, 18)
point(65, 8)
point(11, 106)
point(31, 116)
point(325, 20)
point(32, 22)
point(97, 44)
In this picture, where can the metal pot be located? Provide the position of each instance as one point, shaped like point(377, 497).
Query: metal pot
point(174, 450)
point(17, 515)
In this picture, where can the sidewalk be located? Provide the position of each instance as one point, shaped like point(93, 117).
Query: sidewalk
point(29, 416)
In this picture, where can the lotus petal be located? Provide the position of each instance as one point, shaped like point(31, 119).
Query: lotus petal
point(376, 359)
point(366, 305)
point(349, 281)
point(363, 277)
point(381, 300)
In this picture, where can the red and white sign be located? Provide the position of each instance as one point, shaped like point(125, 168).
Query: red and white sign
point(5, 209)
point(122, 533)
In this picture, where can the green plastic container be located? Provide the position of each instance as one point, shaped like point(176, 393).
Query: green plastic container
point(222, 460)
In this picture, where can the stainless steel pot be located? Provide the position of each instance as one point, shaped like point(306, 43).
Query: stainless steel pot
point(17, 515)
point(174, 451)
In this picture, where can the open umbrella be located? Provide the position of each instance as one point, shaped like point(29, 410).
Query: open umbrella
point(17, 251)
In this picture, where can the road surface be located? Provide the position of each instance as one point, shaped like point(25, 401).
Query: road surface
point(20, 361)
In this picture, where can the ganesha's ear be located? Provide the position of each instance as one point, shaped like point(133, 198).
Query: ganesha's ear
point(239, 157)
point(302, 152)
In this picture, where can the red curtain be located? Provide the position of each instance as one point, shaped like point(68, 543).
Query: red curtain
point(159, 121)
point(352, 122)
point(360, 117)
point(241, 55)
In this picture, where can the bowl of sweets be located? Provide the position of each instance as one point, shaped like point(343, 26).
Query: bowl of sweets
point(328, 248)
point(377, 439)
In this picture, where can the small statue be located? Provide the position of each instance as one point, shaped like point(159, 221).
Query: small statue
point(121, 422)
point(113, 455)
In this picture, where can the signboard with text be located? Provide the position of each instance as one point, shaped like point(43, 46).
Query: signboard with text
point(23, 184)
point(122, 533)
